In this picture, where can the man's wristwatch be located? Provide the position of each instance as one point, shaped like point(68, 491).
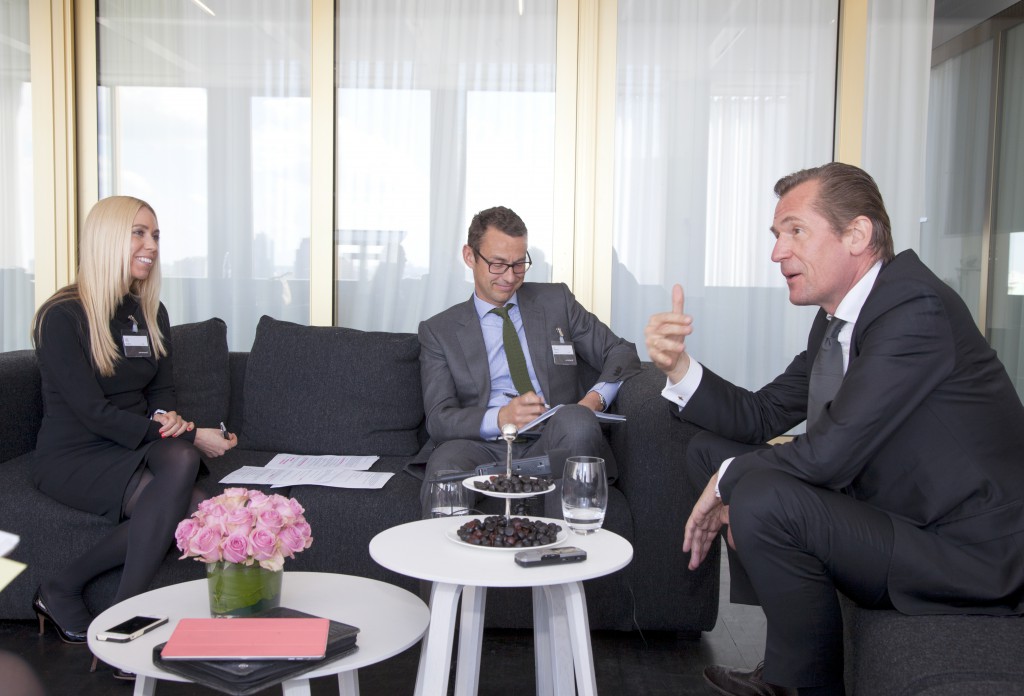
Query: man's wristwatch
point(600, 397)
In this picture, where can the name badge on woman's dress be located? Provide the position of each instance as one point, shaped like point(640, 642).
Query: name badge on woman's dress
point(136, 345)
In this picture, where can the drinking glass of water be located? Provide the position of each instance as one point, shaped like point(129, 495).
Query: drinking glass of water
point(584, 494)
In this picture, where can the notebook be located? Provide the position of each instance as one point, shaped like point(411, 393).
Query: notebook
point(242, 678)
point(248, 639)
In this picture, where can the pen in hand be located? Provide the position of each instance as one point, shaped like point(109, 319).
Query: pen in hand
point(513, 395)
point(224, 431)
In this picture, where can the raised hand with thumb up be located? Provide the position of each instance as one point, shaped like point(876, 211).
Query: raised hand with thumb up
point(665, 336)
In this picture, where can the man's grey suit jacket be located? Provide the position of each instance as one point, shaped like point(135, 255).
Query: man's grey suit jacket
point(453, 359)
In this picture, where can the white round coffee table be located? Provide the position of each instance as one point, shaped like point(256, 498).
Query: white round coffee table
point(562, 648)
point(389, 619)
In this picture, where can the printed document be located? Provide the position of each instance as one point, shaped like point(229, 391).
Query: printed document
point(312, 470)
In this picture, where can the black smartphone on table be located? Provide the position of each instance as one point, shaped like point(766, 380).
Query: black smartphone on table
point(131, 629)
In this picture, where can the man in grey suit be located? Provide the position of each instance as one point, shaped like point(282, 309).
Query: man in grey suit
point(469, 389)
point(907, 489)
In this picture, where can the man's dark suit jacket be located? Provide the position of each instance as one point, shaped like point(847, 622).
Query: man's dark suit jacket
point(926, 427)
point(453, 359)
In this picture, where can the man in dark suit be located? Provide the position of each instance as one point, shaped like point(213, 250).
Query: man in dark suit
point(907, 489)
point(469, 389)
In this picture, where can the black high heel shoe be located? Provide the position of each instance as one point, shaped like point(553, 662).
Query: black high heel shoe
point(73, 637)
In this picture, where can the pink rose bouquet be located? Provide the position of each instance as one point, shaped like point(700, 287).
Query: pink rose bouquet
point(247, 527)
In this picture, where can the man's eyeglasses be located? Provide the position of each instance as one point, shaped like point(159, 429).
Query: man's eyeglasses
point(499, 268)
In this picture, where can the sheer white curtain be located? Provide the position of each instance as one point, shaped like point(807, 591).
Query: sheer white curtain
point(716, 101)
point(445, 107)
point(956, 175)
point(204, 112)
point(896, 110)
point(17, 250)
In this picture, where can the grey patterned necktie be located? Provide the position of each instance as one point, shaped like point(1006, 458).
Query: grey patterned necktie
point(826, 373)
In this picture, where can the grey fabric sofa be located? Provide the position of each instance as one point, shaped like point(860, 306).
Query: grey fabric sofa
point(329, 390)
point(891, 654)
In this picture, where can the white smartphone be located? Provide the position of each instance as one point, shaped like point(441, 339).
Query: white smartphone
point(131, 629)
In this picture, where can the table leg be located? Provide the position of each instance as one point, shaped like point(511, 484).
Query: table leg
point(575, 602)
point(553, 655)
point(295, 687)
point(144, 686)
point(471, 637)
point(348, 683)
point(436, 653)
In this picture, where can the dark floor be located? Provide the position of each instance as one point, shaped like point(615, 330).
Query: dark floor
point(651, 664)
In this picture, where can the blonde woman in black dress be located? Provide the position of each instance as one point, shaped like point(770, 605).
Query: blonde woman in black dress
point(111, 442)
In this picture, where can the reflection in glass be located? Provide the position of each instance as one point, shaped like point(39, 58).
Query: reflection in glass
point(206, 115)
point(17, 242)
point(444, 108)
point(959, 117)
point(716, 101)
point(1006, 318)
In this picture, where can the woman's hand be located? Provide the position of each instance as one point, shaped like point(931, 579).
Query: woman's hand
point(211, 443)
point(172, 425)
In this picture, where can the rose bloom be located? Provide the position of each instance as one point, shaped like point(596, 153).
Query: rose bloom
point(238, 520)
point(213, 514)
point(233, 498)
point(257, 498)
point(206, 545)
point(263, 544)
point(274, 563)
point(235, 548)
point(292, 540)
point(186, 528)
point(269, 519)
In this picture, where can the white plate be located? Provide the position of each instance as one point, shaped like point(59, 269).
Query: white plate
point(468, 483)
point(453, 535)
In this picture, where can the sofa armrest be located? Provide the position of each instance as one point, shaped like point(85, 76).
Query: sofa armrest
point(650, 450)
point(21, 403)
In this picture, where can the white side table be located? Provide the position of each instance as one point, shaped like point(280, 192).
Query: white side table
point(561, 625)
point(389, 619)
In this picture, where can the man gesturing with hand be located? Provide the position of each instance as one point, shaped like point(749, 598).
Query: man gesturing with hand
point(906, 491)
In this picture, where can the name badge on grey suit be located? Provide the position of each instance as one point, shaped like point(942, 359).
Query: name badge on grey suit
point(562, 352)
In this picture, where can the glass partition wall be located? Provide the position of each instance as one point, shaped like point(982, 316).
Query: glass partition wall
point(972, 232)
point(715, 102)
point(204, 112)
point(443, 109)
point(17, 242)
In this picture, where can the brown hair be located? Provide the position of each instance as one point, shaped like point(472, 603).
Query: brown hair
point(500, 218)
point(845, 192)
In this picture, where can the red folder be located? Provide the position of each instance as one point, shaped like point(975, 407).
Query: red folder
point(248, 639)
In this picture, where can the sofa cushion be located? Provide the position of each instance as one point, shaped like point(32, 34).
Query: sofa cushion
point(201, 375)
point(332, 390)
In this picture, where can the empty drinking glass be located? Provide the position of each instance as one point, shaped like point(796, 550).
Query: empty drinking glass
point(447, 498)
point(584, 494)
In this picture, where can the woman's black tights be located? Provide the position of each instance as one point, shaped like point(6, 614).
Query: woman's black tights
point(166, 494)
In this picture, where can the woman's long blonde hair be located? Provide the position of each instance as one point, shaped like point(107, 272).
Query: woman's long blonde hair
point(105, 277)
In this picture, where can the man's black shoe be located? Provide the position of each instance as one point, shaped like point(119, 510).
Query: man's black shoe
point(734, 682)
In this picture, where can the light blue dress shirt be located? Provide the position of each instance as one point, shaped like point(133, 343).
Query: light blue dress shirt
point(501, 380)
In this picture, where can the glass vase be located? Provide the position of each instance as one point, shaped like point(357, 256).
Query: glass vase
point(238, 590)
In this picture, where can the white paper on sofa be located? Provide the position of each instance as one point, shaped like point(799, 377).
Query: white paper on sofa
point(278, 478)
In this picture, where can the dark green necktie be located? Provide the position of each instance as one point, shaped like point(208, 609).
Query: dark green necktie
point(514, 351)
